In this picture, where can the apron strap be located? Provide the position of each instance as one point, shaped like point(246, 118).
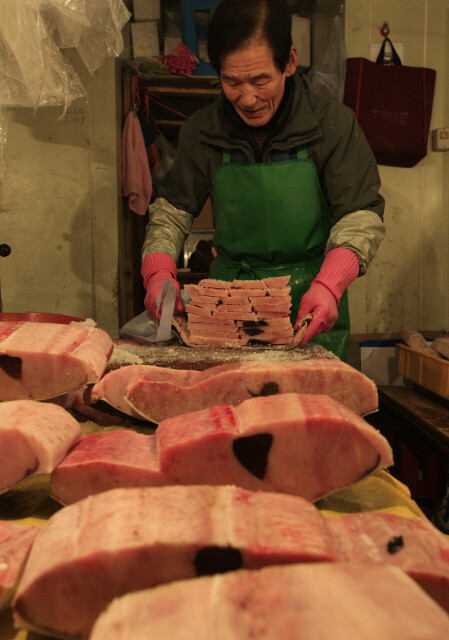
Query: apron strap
point(301, 154)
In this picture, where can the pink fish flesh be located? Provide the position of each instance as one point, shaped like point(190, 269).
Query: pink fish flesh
point(40, 360)
point(268, 443)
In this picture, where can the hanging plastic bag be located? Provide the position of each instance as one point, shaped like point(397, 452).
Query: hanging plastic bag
point(33, 71)
point(327, 76)
point(99, 35)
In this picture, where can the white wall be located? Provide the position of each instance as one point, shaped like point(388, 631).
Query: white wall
point(407, 284)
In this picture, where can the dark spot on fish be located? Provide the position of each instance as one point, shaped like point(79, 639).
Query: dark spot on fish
point(254, 342)
point(255, 323)
point(268, 389)
point(252, 452)
point(210, 560)
point(395, 544)
point(252, 331)
point(12, 366)
point(219, 302)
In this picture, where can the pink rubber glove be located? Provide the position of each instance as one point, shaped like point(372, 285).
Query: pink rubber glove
point(340, 267)
point(156, 267)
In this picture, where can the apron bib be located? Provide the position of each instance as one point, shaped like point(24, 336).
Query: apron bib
point(271, 220)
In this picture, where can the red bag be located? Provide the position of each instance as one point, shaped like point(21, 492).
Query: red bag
point(393, 105)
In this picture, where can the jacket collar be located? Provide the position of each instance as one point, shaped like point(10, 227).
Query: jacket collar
point(298, 126)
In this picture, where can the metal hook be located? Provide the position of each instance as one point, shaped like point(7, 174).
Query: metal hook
point(385, 30)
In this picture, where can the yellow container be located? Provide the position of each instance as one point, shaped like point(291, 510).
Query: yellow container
point(430, 372)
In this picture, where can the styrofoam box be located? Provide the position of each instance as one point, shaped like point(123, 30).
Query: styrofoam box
point(145, 39)
point(376, 358)
point(170, 43)
point(146, 10)
point(301, 39)
point(172, 30)
point(202, 50)
point(378, 362)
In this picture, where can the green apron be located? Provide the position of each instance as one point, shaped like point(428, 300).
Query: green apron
point(271, 220)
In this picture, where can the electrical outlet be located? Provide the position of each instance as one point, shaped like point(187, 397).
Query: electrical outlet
point(440, 139)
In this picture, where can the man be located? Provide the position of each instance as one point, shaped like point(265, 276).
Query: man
point(293, 181)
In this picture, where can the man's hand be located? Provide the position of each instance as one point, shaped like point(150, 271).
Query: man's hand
point(156, 268)
point(340, 267)
point(321, 303)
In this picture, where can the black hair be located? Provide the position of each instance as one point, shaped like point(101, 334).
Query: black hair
point(236, 22)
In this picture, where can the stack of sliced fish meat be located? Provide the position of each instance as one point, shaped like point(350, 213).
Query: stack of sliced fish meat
point(239, 313)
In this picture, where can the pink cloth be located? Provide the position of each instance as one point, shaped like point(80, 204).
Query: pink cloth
point(136, 176)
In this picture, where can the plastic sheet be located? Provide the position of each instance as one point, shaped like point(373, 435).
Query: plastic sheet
point(327, 76)
point(378, 492)
point(146, 328)
point(33, 71)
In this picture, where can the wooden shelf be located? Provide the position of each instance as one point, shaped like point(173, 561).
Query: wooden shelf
point(184, 91)
point(169, 123)
point(425, 411)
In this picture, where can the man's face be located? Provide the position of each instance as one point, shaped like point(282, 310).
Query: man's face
point(253, 84)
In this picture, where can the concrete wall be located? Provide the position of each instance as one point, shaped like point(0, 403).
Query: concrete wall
point(59, 204)
point(407, 284)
